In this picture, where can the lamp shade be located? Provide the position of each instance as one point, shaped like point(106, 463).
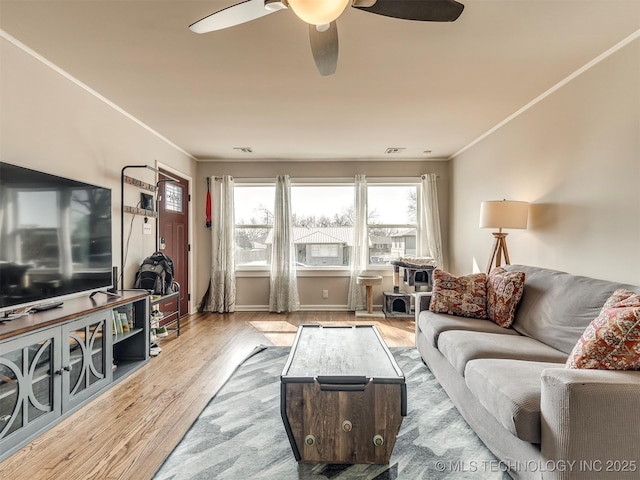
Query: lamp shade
point(504, 214)
point(318, 12)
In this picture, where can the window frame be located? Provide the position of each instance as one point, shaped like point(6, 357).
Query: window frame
point(266, 226)
point(389, 182)
point(340, 270)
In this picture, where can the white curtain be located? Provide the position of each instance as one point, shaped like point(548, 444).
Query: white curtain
point(430, 243)
point(283, 285)
point(360, 248)
point(221, 295)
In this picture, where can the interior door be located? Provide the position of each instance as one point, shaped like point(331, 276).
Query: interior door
point(173, 230)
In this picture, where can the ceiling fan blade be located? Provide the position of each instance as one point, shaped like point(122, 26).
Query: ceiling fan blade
point(421, 10)
point(234, 15)
point(324, 46)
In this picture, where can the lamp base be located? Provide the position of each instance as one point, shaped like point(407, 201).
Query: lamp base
point(499, 249)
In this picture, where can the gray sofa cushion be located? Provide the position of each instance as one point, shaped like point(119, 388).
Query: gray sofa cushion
point(460, 347)
point(556, 307)
point(433, 324)
point(510, 391)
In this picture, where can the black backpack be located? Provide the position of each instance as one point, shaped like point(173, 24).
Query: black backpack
point(156, 274)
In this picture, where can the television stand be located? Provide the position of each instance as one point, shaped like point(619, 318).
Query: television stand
point(56, 361)
point(11, 315)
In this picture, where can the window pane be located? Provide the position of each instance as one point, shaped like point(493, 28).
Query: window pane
point(322, 206)
point(392, 204)
point(253, 205)
point(322, 219)
point(386, 244)
point(252, 247)
point(173, 197)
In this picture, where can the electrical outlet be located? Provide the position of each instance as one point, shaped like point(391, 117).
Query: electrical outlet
point(325, 293)
point(146, 229)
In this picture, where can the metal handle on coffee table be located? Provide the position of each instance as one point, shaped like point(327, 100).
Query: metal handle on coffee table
point(342, 384)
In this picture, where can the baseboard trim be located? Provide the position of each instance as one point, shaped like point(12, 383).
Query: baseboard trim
point(303, 308)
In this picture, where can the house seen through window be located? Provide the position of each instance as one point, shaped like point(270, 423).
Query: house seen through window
point(392, 222)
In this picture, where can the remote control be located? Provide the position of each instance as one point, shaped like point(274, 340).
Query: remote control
point(45, 306)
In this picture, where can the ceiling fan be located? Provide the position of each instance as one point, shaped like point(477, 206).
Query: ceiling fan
point(321, 16)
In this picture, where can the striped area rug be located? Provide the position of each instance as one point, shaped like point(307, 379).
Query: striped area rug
point(240, 435)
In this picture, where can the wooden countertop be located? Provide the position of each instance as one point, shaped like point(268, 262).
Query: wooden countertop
point(70, 310)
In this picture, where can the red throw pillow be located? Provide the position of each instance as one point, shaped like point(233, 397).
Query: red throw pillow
point(465, 296)
point(504, 291)
point(612, 340)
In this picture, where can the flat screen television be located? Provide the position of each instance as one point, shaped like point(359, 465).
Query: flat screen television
point(55, 238)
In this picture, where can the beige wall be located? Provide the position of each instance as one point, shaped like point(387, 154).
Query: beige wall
point(253, 291)
point(576, 157)
point(49, 123)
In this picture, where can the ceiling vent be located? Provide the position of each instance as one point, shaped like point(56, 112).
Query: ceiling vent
point(392, 150)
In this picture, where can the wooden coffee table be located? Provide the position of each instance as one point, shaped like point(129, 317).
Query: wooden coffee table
point(342, 396)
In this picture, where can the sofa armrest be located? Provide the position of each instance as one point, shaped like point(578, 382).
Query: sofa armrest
point(590, 417)
point(422, 301)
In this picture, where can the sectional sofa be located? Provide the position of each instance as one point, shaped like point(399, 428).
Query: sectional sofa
point(540, 418)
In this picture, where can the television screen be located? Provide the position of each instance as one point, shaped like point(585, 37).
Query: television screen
point(55, 237)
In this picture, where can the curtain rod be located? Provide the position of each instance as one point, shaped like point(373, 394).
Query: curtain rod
point(326, 179)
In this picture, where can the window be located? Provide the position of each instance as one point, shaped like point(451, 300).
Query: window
point(322, 205)
point(324, 250)
point(392, 221)
point(173, 197)
point(253, 207)
point(323, 223)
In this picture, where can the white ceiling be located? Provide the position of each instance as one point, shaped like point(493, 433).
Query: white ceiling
point(421, 86)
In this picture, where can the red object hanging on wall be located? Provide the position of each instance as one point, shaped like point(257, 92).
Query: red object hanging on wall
point(208, 205)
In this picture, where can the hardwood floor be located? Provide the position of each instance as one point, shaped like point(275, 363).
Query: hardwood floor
point(127, 432)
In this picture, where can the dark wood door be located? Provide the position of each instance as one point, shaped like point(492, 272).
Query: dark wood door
point(173, 230)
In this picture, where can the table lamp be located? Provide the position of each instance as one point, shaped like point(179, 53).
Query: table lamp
point(502, 214)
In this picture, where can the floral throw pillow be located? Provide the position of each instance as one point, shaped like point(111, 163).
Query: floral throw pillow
point(464, 296)
point(504, 291)
point(612, 340)
point(621, 298)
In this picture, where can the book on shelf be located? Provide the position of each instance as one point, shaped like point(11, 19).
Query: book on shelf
point(117, 325)
point(128, 311)
point(124, 322)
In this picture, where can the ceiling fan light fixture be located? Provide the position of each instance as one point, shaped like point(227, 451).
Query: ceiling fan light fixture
point(318, 13)
point(275, 5)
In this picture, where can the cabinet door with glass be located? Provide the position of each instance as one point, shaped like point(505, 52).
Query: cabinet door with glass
point(86, 358)
point(30, 375)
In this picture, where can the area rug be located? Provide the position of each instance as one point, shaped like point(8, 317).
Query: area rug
point(240, 435)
